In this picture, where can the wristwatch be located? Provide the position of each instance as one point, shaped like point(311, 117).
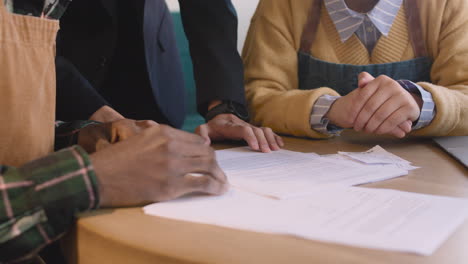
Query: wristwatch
point(228, 107)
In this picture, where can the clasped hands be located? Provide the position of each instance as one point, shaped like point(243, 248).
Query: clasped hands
point(379, 106)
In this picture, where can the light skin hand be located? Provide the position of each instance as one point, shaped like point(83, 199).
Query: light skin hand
point(387, 107)
point(380, 105)
point(157, 165)
point(229, 126)
point(106, 114)
point(96, 137)
point(343, 111)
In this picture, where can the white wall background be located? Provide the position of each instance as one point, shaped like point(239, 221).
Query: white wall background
point(245, 10)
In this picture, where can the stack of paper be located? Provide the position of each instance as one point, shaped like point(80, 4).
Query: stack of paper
point(285, 174)
point(379, 156)
point(371, 218)
point(321, 205)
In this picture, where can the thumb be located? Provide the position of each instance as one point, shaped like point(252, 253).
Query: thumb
point(204, 132)
point(364, 78)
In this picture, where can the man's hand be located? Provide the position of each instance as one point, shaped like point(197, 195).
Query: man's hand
point(229, 126)
point(96, 137)
point(106, 114)
point(159, 164)
point(380, 105)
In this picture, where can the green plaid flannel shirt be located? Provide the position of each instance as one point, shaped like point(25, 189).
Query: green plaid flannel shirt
point(39, 201)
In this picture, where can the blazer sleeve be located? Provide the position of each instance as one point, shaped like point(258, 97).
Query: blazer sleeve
point(76, 98)
point(211, 29)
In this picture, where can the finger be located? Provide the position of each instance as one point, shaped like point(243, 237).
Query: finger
point(246, 133)
point(180, 149)
point(205, 184)
point(398, 132)
point(123, 129)
point(201, 165)
point(370, 108)
point(204, 132)
point(271, 138)
point(406, 126)
point(381, 115)
point(102, 144)
point(364, 78)
point(178, 135)
point(231, 127)
point(146, 123)
point(279, 141)
point(396, 118)
point(364, 94)
point(262, 140)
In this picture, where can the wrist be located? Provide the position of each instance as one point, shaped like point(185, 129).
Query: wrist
point(339, 117)
point(214, 104)
point(104, 171)
point(418, 100)
point(228, 107)
point(331, 114)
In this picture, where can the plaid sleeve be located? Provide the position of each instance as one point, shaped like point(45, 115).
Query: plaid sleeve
point(428, 109)
point(318, 121)
point(66, 133)
point(39, 201)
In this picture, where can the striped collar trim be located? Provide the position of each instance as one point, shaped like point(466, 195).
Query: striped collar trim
point(347, 21)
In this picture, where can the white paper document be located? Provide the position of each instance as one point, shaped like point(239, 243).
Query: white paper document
point(286, 174)
point(378, 155)
point(371, 218)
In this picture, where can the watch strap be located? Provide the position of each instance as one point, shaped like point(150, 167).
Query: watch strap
point(228, 107)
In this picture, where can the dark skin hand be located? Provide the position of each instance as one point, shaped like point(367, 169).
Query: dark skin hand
point(159, 164)
point(96, 137)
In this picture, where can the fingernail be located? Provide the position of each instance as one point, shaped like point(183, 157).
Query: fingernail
point(255, 146)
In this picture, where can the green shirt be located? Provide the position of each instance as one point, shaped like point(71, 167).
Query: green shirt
point(39, 201)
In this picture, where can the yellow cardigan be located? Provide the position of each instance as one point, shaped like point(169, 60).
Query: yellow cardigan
point(271, 75)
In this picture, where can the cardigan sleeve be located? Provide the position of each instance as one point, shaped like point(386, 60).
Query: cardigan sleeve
point(271, 66)
point(447, 36)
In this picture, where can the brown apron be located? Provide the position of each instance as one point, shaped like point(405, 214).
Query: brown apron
point(27, 87)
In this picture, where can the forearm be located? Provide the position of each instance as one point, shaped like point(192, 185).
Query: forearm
point(41, 200)
point(286, 112)
point(211, 29)
point(76, 98)
point(451, 118)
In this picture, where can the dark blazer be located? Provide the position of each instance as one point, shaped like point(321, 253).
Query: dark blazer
point(88, 39)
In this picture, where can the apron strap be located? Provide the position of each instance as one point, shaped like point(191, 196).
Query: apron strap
point(2, 7)
point(310, 29)
point(412, 16)
point(413, 19)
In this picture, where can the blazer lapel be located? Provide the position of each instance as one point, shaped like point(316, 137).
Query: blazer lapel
point(111, 8)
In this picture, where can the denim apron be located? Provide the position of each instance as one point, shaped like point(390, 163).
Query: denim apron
point(315, 73)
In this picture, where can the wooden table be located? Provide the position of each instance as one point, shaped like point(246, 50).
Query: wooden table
point(129, 236)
